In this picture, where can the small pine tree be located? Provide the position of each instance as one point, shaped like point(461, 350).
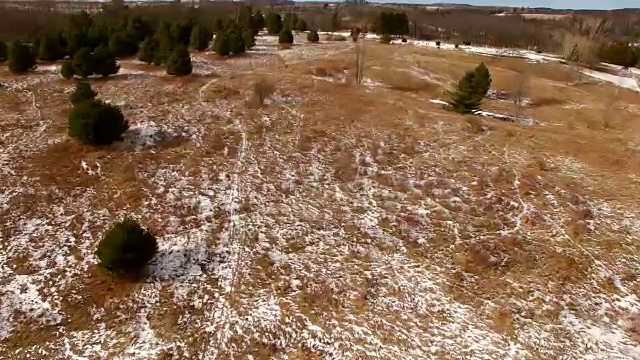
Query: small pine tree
point(126, 248)
point(21, 58)
point(221, 43)
point(82, 92)
point(165, 48)
point(200, 37)
point(83, 63)
point(179, 63)
point(313, 37)
point(273, 22)
point(301, 25)
point(105, 62)
point(123, 44)
point(66, 70)
point(465, 99)
point(148, 49)
point(236, 41)
point(94, 122)
point(385, 39)
point(482, 80)
point(285, 37)
point(49, 48)
point(218, 25)
point(258, 20)
point(249, 37)
point(4, 51)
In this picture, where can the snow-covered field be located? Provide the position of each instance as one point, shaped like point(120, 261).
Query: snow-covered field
point(334, 222)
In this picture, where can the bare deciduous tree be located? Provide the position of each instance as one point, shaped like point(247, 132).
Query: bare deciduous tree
point(520, 92)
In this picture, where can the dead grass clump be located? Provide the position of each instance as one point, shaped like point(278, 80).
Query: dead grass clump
point(540, 163)
point(475, 125)
point(222, 91)
point(634, 325)
point(402, 81)
point(546, 101)
point(262, 89)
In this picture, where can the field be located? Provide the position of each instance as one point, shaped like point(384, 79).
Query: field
point(335, 221)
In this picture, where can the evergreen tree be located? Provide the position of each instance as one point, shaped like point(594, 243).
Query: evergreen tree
point(236, 41)
point(49, 48)
point(66, 70)
point(140, 27)
point(258, 20)
point(181, 32)
point(148, 49)
point(179, 63)
point(95, 122)
point(165, 48)
point(285, 37)
point(335, 22)
point(83, 63)
point(77, 41)
point(301, 25)
point(21, 58)
point(313, 37)
point(4, 51)
point(126, 248)
point(465, 99)
point(105, 62)
point(273, 23)
point(200, 37)
point(245, 17)
point(221, 43)
point(218, 24)
point(482, 81)
point(123, 44)
point(249, 37)
point(82, 92)
point(290, 21)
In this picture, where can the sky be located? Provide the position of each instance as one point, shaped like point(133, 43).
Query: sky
point(556, 4)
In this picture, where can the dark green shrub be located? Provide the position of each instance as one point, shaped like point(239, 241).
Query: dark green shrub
point(95, 122)
point(49, 48)
point(179, 63)
point(273, 22)
point(200, 37)
point(285, 37)
point(82, 92)
point(313, 37)
point(482, 82)
point(465, 100)
point(385, 39)
point(249, 38)
point(105, 62)
point(148, 50)
point(83, 63)
point(21, 58)
point(221, 43)
point(258, 20)
point(123, 44)
point(126, 248)
point(4, 51)
point(438, 43)
point(236, 41)
point(66, 70)
point(301, 25)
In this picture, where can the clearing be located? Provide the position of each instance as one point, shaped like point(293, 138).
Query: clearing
point(337, 221)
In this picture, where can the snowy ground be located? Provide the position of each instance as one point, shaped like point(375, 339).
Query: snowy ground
point(335, 222)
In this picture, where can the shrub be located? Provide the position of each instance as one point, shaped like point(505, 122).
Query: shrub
point(83, 92)
point(200, 37)
point(273, 22)
point(261, 91)
point(83, 62)
point(3, 51)
point(385, 39)
point(95, 122)
point(235, 40)
point(123, 44)
point(249, 38)
point(466, 43)
point(21, 58)
point(438, 43)
point(313, 37)
point(471, 89)
point(404, 39)
point(49, 48)
point(221, 43)
point(165, 48)
point(300, 25)
point(66, 70)
point(258, 20)
point(179, 63)
point(105, 62)
point(148, 49)
point(126, 248)
point(285, 37)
